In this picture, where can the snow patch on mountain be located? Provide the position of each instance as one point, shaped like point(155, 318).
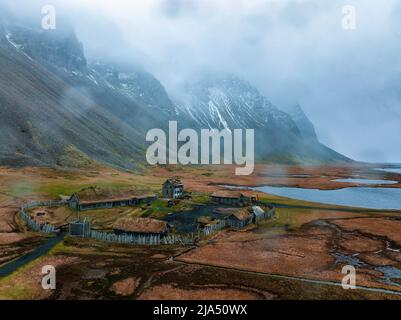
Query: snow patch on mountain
point(230, 102)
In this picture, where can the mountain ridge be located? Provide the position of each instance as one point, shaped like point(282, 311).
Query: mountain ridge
point(104, 110)
point(230, 102)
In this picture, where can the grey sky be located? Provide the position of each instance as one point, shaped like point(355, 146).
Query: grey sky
point(347, 81)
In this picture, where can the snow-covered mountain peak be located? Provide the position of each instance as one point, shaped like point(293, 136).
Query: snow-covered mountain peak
point(230, 102)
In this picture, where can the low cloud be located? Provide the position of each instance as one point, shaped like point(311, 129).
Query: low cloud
point(347, 81)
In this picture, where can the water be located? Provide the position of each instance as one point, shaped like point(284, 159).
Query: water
point(362, 197)
point(391, 170)
point(12, 266)
point(390, 273)
point(352, 260)
point(366, 181)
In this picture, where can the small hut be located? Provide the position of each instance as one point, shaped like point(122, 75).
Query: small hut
point(80, 228)
point(258, 213)
point(240, 218)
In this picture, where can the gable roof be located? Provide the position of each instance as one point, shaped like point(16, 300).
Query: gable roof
point(140, 225)
point(176, 181)
point(242, 214)
point(227, 194)
point(258, 211)
point(98, 195)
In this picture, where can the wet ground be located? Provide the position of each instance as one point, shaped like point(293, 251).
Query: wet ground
point(299, 255)
point(8, 268)
point(98, 271)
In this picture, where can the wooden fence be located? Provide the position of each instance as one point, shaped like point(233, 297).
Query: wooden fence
point(256, 218)
point(142, 239)
point(239, 224)
point(187, 239)
point(32, 224)
point(214, 228)
point(265, 215)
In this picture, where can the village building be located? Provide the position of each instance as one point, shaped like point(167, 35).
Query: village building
point(173, 188)
point(230, 198)
point(254, 199)
point(261, 214)
point(258, 213)
point(142, 227)
point(205, 221)
point(240, 218)
point(80, 228)
point(91, 198)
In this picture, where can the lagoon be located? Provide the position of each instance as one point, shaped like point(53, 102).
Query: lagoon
point(390, 170)
point(365, 181)
point(362, 197)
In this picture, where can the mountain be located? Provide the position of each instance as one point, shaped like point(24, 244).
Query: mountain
point(133, 83)
point(46, 121)
point(129, 92)
point(230, 102)
point(59, 108)
point(303, 123)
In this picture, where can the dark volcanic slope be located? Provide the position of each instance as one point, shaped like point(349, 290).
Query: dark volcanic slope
point(58, 109)
point(44, 120)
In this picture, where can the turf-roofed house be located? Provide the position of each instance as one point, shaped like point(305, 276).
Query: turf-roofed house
point(141, 226)
point(93, 198)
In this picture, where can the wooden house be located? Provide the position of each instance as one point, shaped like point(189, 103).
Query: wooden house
point(230, 198)
point(240, 218)
point(91, 198)
point(173, 188)
point(80, 228)
point(141, 226)
point(260, 213)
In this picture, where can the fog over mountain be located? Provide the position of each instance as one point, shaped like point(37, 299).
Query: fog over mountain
point(348, 82)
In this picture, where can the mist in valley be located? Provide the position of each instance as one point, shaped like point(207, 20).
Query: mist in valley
point(348, 82)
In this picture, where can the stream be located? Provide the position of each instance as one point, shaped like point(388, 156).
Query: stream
point(39, 251)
